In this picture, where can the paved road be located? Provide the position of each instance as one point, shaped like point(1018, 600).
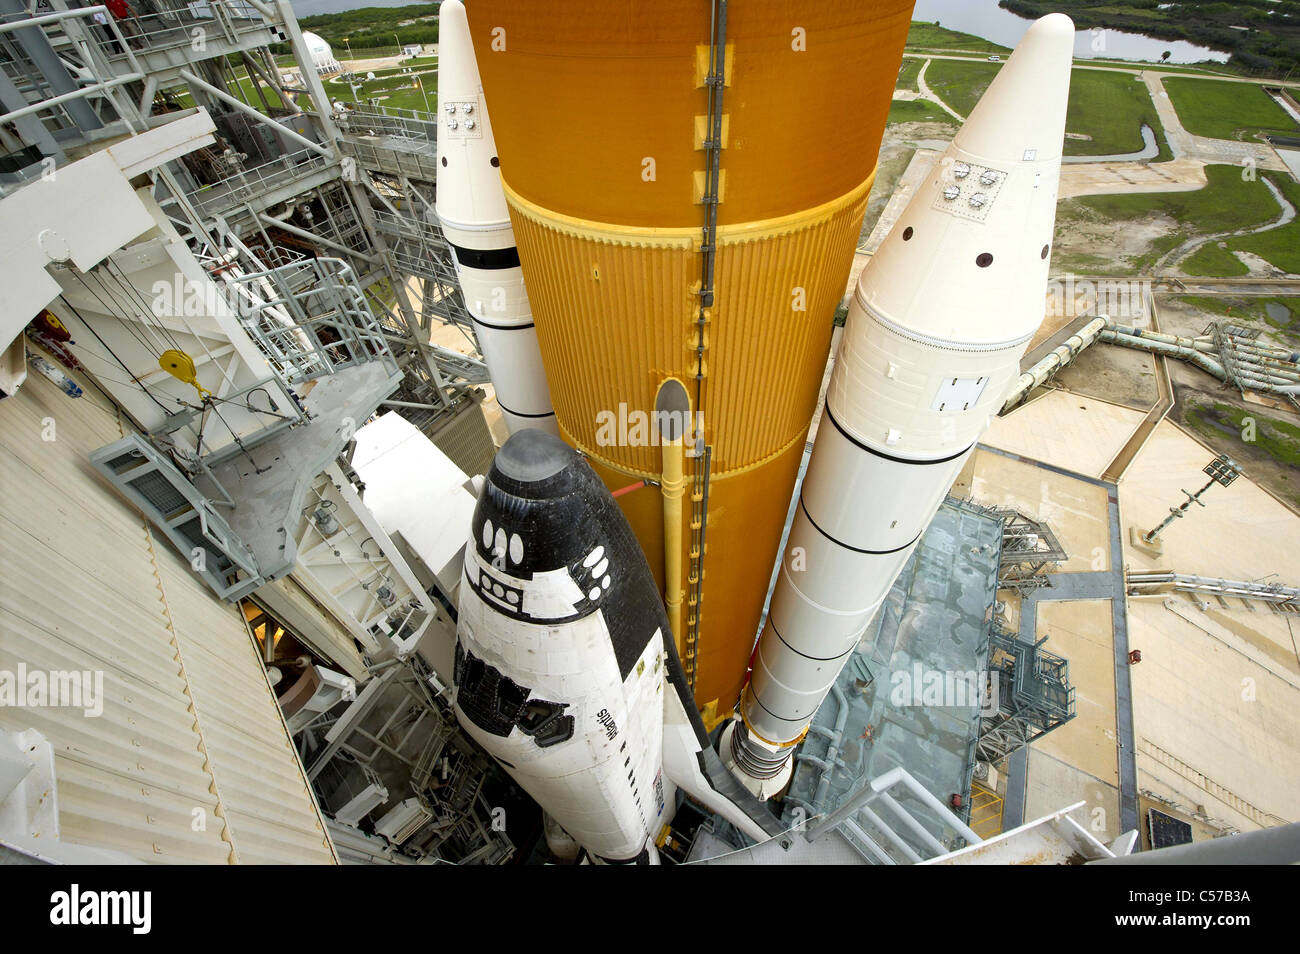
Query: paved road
point(929, 94)
point(1216, 151)
point(1111, 67)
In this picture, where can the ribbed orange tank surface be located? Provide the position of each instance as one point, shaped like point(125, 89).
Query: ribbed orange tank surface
point(599, 110)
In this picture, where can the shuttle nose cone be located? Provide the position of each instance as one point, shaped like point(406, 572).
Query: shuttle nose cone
point(1021, 111)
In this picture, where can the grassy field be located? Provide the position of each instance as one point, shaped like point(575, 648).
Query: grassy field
point(1279, 246)
point(934, 37)
point(1111, 108)
point(392, 89)
point(907, 73)
point(247, 92)
point(960, 83)
point(1223, 110)
point(1277, 438)
point(1281, 314)
point(918, 111)
point(1226, 204)
point(1214, 261)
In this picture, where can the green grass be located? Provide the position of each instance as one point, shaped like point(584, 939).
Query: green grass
point(1277, 438)
point(907, 73)
point(918, 111)
point(1111, 108)
point(1223, 110)
point(1212, 261)
point(1156, 249)
point(1286, 324)
point(1280, 246)
point(1226, 204)
point(934, 37)
point(960, 83)
point(247, 92)
point(393, 91)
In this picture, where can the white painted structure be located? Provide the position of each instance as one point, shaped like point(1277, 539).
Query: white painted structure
point(322, 55)
point(472, 210)
point(938, 324)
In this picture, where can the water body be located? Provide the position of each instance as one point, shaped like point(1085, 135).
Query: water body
point(984, 18)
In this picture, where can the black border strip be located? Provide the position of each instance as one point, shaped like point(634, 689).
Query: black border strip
point(897, 460)
point(774, 715)
point(521, 413)
point(805, 655)
point(487, 259)
point(488, 324)
point(840, 543)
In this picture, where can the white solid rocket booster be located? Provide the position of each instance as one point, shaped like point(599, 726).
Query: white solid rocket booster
point(471, 207)
point(938, 324)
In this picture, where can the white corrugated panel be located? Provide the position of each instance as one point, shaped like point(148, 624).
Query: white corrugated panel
point(190, 727)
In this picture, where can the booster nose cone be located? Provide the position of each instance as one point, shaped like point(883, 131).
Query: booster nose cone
point(469, 185)
point(968, 262)
point(1021, 108)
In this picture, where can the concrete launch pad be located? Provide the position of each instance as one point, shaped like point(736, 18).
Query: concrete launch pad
point(932, 628)
point(1215, 738)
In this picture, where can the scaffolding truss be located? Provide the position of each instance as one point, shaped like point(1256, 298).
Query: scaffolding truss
point(1034, 695)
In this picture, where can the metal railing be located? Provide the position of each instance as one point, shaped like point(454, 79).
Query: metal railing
point(386, 156)
point(81, 54)
point(310, 318)
point(250, 184)
point(155, 25)
point(413, 126)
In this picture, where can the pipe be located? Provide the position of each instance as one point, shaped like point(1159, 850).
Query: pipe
point(673, 406)
point(253, 113)
point(1198, 358)
point(313, 237)
point(1055, 361)
point(68, 97)
point(878, 788)
point(833, 749)
point(1239, 588)
point(1255, 376)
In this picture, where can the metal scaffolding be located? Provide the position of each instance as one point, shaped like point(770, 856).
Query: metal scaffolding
point(1034, 695)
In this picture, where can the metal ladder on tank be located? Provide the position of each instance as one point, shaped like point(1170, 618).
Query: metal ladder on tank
point(715, 82)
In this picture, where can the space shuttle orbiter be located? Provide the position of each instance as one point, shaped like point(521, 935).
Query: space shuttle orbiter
point(566, 671)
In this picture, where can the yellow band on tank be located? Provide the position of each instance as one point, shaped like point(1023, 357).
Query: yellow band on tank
point(610, 233)
point(780, 745)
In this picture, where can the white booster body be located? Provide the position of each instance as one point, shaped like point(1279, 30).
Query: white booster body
point(472, 210)
point(938, 324)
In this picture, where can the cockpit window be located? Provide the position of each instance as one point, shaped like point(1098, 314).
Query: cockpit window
point(498, 704)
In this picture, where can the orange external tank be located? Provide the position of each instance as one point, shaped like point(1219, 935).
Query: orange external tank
point(608, 126)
